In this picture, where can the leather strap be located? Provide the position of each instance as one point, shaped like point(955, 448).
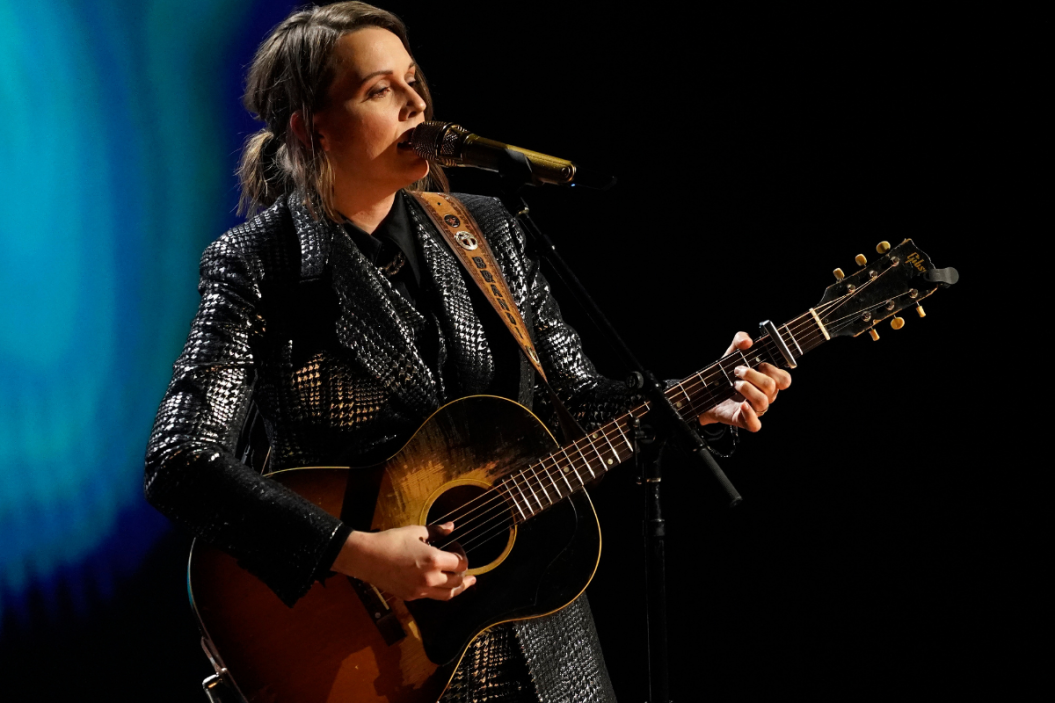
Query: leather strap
point(462, 234)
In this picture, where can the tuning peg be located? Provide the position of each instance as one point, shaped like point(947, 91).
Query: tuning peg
point(839, 275)
point(860, 260)
point(873, 334)
point(919, 310)
point(897, 323)
point(883, 247)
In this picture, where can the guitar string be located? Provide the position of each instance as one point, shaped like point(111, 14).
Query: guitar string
point(690, 383)
point(480, 515)
point(470, 536)
point(495, 526)
point(804, 321)
point(851, 294)
point(494, 499)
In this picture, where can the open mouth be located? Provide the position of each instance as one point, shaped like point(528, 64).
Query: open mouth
point(406, 142)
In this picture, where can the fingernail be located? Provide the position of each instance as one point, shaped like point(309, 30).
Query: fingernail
point(740, 370)
point(471, 581)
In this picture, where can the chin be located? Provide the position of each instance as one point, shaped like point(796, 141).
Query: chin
point(416, 174)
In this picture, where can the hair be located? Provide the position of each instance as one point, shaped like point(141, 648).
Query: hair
point(292, 70)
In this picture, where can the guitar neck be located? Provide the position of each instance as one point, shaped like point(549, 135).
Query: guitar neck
point(553, 478)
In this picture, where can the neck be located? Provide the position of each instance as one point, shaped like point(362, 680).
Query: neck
point(364, 208)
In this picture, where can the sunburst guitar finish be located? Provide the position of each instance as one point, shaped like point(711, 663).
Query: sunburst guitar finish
point(336, 644)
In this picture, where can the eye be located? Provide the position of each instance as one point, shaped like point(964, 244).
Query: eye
point(379, 91)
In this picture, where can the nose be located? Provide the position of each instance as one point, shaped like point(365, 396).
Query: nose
point(415, 103)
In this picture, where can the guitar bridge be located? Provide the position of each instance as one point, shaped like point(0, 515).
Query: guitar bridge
point(380, 611)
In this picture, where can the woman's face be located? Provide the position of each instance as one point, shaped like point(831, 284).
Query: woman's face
point(372, 109)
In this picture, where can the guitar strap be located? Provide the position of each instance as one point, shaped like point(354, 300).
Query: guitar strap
point(463, 236)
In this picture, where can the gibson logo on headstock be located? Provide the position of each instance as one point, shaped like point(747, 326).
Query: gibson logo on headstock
point(916, 260)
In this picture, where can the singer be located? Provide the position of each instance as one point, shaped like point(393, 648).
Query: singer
point(339, 314)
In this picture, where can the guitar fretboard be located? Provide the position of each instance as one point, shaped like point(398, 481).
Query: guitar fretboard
point(553, 478)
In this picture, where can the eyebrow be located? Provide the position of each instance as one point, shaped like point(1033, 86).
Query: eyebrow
point(385, 72)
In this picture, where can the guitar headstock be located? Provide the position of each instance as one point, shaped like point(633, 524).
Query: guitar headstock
point(901, 277)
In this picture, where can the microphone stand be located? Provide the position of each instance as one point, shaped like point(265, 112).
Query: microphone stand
point(665, 424)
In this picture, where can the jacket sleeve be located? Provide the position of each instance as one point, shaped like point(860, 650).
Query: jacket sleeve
point(192, 474)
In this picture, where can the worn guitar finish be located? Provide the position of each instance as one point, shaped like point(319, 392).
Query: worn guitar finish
point(328, 647)
point(519, 509)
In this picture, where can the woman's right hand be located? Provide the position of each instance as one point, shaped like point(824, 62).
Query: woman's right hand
point(401, 562)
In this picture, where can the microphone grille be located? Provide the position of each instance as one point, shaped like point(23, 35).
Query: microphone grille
point(440, 142)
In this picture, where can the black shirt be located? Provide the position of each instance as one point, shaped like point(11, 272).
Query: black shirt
point(392, 247)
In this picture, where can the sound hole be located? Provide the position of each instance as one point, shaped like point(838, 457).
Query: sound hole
point(482, 522)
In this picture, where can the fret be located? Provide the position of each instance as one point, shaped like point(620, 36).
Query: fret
point(746, 362)
point(514, 500)
point(562, 473)
point(549, 474)
point(622, 434)
point(541, 483)
point(681, 386)
point(571, 465)
point(793, 339)
point(535, 495)
point(593, 445)
point(584, 459)
point(527, 503)
point(610, 446)
point(731, 382)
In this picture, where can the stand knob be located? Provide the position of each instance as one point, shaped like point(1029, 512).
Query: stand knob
point(860, 260)
point(873, 334)
point(897, 323)
point(883, 247)
point(839, 275)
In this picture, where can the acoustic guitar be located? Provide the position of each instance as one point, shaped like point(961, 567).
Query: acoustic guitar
point(521, 513)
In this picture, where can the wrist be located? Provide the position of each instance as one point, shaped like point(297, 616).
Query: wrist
point(349, 559)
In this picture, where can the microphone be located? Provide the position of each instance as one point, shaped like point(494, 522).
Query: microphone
point(449, 144)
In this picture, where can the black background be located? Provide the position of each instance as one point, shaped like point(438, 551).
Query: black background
point(757, 149)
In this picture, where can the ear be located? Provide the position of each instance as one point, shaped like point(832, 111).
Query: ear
point(300, 129)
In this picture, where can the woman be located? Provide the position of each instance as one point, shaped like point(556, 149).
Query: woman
point(341, 313)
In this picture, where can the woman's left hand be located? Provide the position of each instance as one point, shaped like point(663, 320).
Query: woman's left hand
point(758, 388)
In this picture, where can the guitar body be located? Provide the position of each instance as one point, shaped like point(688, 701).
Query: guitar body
point(336, 644)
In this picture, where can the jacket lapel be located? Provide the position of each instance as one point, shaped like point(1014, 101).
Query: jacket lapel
point(468, 366)
point(375, 323)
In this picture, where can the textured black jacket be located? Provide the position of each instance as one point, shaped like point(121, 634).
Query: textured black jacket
point(294, 316)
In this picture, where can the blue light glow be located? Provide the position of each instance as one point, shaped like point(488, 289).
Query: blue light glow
point(117, 158)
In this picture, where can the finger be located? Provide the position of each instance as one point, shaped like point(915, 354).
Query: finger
point(444, 528)
point(741, 340)
point(450, 561)
point(780, 376)
point(448, 593)
point(759, 380)
point(435, 532)
point(758, 400)
point(448, 580)
point(456, 548)
point(749, 418)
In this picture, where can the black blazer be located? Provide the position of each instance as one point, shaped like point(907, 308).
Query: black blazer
point(293, 316)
